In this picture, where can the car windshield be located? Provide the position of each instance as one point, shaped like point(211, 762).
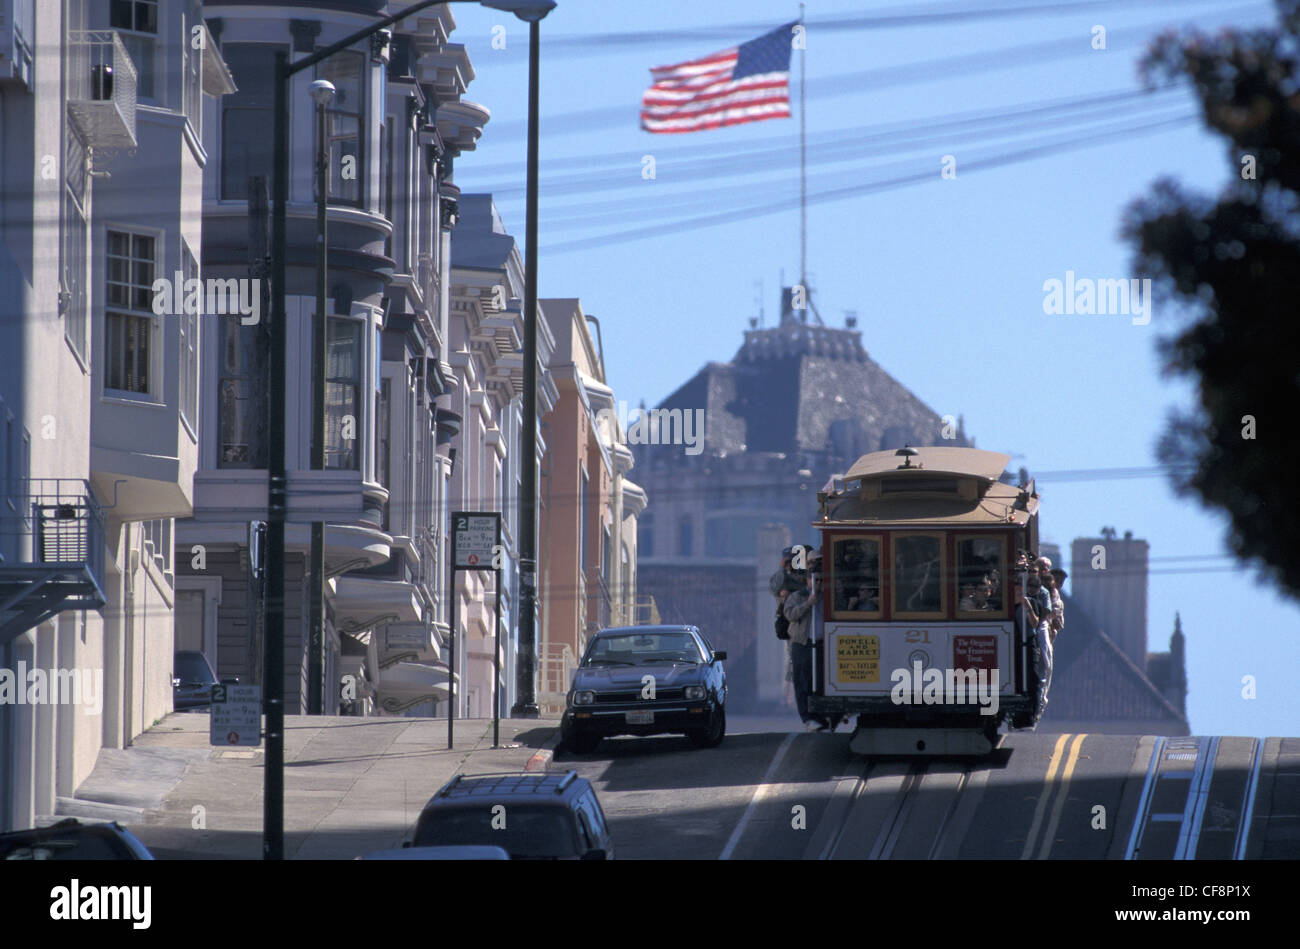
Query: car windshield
point(642, 648)
point(192, 669)
point(521, 830)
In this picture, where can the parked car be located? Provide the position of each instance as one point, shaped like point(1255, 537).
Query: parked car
point(532, 816)
point(72, 839)
point(192, 681)
point(647, 680)
point(439, 853)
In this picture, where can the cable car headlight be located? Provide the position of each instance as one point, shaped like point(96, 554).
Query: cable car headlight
point(584, 698)
point(694, 692)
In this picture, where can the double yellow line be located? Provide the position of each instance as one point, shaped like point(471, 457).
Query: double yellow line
point(1049, 785)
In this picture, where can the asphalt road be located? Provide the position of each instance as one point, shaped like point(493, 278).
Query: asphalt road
point(783, 794)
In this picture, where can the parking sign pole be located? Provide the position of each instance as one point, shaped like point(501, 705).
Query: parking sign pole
point(451, 641)
point(496, 643)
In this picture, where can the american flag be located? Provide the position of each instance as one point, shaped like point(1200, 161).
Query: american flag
point(746, 83)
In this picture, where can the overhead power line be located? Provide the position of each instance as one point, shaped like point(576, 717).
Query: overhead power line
point(837, 194)
point(942, 68)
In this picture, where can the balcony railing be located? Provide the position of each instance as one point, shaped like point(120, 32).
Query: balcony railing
point(645, 612)
point(598, 596)
point(51, 553)
point(101, 88)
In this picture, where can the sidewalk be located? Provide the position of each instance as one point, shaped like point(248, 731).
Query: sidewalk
point(352, 785)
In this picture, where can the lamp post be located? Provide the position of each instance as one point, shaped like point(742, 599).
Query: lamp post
point(322, 93)
point(532, 12)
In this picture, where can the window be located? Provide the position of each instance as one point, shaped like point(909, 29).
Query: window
point(247, 116)
point(189, 323)
point(345, 118)
point(386, 179)
point(645, 542)
point(241, 395)
point(918, 576)
point(855, 576)
point(582, 523)
point(139, 21)
point(685, 537)
point(8, 456)
point(383, 441)
point(193, 79)
point(342, 393)
point(128, 317)
point(74, 241)
point(980, 572)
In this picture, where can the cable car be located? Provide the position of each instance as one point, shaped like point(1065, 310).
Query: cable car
point(916, 626)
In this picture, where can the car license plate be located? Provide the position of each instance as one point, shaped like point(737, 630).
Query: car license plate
point(640, 718)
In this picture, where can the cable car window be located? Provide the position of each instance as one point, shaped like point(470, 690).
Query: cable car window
point(981, 567)
point(855, 575)
point(918, 575)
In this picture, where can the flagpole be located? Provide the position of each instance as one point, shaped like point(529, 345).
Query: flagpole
point(803, 169)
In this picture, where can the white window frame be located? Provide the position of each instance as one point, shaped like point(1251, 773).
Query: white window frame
point(156, 379)
point(159, 71)
point(189, 345)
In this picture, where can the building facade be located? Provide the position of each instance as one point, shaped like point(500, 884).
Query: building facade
point(103, 148)
point(589, 507)
point(395, 126)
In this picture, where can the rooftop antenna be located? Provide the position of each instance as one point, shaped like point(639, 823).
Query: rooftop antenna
point(758, 299)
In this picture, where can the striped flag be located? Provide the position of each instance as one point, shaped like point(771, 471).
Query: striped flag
point(746, 83)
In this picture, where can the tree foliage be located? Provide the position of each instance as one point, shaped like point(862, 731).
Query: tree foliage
point(1233, 262)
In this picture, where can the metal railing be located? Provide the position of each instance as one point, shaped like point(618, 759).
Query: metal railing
point(101, 83)
point(645, 612)
point(53, 522)
point(555, 668)
point(599, 593)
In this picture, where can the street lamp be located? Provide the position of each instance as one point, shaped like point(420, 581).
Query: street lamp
point(531, 12)
point(322, 93)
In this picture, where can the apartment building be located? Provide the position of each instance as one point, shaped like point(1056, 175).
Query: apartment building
point(103, 111)
point(394, 127)
point(486, 343)
point(589, 507)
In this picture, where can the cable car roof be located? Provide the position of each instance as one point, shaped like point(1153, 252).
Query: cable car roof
point(930, 486)
point(932, 459)
point(1003, 505)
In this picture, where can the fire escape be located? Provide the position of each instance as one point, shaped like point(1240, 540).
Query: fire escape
point(51, 554)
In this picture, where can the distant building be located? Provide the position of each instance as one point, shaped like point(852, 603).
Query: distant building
point(1104, 679)
point(1108, 577)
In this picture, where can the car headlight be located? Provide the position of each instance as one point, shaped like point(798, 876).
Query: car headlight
point(695, 691)
point(584, 698)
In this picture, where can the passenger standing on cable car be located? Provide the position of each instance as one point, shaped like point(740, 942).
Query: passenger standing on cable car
point(798, 609)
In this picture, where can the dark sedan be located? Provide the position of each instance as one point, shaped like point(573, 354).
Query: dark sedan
point(192, 681)
point(647, 680)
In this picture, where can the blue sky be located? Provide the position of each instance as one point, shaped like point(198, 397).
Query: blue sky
point(945, 276)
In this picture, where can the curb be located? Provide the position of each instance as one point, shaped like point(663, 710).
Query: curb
point(541, 760)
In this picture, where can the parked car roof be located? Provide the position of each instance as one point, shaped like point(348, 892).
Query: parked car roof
point(73, 839)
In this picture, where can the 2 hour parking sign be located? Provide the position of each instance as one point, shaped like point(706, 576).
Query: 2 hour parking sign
point(236, 715)
point(475, 538)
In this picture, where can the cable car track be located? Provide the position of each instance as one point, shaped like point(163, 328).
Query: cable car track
point(1190, 805)
point(843, 843)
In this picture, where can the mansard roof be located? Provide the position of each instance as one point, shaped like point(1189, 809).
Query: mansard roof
point(798, 388)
